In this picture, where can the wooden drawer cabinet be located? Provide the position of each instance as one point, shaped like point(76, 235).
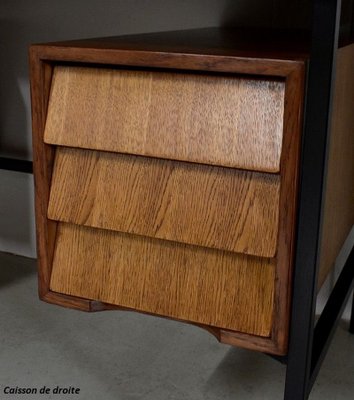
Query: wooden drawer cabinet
point(166, 179)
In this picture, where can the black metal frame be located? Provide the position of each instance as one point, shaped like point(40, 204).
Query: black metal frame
point(331, 315)
point(309, 344)
point(351, 324)
point(14, 164)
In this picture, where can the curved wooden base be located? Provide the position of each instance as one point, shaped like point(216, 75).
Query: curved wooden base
point(232, 338)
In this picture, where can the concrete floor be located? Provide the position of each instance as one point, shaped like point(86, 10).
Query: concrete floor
point(119, 355)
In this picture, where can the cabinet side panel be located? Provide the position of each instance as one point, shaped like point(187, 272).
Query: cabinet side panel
point(339, 195)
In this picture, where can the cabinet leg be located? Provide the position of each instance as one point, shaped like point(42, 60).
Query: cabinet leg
point(296, 384)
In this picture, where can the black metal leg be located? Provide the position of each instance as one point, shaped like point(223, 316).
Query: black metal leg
point(351, 325)
point(331, 315)
point(313, 170)
point(12, 164)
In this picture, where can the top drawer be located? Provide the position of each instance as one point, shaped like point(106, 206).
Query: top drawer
point(211, 119)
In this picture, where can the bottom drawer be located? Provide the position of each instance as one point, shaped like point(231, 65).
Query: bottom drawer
point(205, 286)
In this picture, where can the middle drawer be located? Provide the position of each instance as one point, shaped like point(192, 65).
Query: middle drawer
point(204, 205)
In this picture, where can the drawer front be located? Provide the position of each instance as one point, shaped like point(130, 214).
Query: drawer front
point(197, 204)
point(221, 120)
point(205, 286)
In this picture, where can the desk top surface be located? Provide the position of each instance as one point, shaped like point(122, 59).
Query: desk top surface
point(240, 42)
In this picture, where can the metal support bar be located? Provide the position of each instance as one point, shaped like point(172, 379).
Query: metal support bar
point(13, 164)
point(325, 29)
point(351, 324)
point(330, 317)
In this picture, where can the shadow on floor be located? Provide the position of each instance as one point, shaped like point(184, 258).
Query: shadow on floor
point(15, 268)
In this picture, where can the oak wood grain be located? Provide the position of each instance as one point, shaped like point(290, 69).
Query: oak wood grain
point(293, 121)
point(186, 282)
point(63, 300)
point(338, 217)
point(219, 120)
point(191, 203)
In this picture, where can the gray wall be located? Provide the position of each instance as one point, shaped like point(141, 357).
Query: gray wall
point(23, 22)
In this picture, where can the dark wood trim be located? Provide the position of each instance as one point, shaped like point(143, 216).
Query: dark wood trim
point(192, 62)
point(289, 166)
point(63, 300)
point(40, 77)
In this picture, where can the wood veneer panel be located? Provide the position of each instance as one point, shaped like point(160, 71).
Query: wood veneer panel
point(220, 120)
point(339, 194)
point(191, 203)
point(191, 283)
